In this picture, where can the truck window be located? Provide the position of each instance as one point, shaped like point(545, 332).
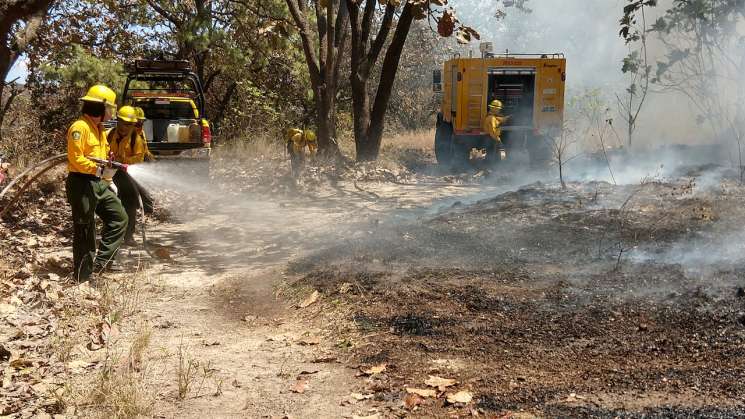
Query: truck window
point(515, 88)
point(171, 110)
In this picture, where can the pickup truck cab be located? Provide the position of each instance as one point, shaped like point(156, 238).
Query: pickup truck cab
point(171, 95)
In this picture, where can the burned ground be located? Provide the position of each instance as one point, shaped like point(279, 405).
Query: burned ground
point(535, 300)
point(598, 300)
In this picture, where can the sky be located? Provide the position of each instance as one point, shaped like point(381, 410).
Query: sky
point(18, 70)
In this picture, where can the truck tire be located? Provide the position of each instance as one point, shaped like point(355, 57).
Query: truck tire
point(444, 142)
point(460, 155)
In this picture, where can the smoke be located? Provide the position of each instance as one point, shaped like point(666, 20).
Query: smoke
point(658, 164)
point(707, 253)
point(588, 33)
point(352, 226)
point(185, 176)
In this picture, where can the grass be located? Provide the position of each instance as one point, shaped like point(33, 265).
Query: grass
point(119, 388)
point(191, 375)
point(260, 146)
point(413, 149)
point(268, 145)
point(416, 140)
point(186, 370)
point(138, 346)
point(121, 298)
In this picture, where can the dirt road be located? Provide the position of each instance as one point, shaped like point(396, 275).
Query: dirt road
point(217, 298)
point(535, 300)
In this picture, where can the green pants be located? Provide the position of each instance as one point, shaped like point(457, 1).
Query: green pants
point(129, 194)
point(297, 160)
point(87, 196)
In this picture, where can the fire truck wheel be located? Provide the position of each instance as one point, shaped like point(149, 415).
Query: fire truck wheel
point(444, 142)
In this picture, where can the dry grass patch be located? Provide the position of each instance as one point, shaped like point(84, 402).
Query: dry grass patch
point(259, 146)
point(418, 140)
point(120, 389)
point(413, 150)
point(110, 377)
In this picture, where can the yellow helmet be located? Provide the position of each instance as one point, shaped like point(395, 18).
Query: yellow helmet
point(101, 94)
point(309, 135)
point(495, 105)
point(127, 114)
point(140, 113)
point(291, 132)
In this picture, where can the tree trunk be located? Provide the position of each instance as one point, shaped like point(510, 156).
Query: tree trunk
point(368, 142)
point(3, 108)
point(323, 59)
point(13, 45)
point(325, 123)
point(360, 110)
point(325, 128)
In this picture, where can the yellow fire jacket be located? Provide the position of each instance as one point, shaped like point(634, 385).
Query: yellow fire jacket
point(130, 149)
point(85, 138)
point(492, 126)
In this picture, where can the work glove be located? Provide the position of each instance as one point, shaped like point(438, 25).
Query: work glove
point(108, 173)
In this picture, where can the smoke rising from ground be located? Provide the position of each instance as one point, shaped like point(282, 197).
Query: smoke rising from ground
point(352, 225)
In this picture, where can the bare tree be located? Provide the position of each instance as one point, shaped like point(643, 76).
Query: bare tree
point(393, 20)
point(562, 151)
point(594, 122)
point(705, 62)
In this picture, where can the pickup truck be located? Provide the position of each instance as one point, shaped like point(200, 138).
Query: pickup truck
point(171, 95)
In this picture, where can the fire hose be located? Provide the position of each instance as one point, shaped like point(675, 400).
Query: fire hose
point(54, 161)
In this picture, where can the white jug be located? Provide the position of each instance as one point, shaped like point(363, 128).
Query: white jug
point(172, 131)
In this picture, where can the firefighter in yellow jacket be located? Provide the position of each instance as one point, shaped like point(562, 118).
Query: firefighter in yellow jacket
point(493, 126)
point(297, 141)
point(128, 145)
point(88, 186)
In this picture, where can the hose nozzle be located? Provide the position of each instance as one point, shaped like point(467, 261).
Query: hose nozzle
point(110, 163)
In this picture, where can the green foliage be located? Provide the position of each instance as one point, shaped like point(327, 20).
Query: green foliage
point(82, 70)
point(631, 63)
point(629, 31)
point(242, 51)
point(57, 87)
point(694, 27)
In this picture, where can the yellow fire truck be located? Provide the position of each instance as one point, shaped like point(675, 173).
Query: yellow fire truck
point(531, 89)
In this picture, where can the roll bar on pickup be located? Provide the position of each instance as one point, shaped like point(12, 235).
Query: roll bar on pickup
point(154, 71)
